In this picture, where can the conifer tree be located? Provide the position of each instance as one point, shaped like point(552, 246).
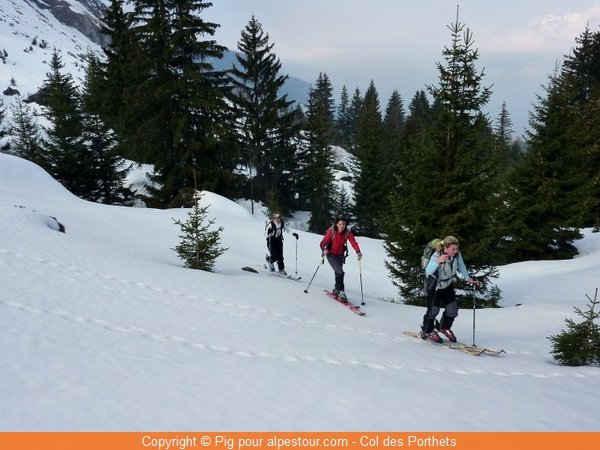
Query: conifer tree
point(264, 119)
point(393, 128)
point(26, 136)
point(109, 168)
point(342, 206)
point(116, 70)
point(352, 120)
point(508, 155)
point(507, 152)
point(452, 178)
point(317, 157)
point(177, 99)
point(579, 345)
point(582, 69)
point(393, 134)
point(199, 246)
point(419, 118)
point(590, 120)
point(342, 122)
point(414, 138)
point(420, 108)
point(541, 219)
point(285, 176)
point(69, 160)
point(371, 189)
point(409, 201)
point(2, 119)
point(555, 190)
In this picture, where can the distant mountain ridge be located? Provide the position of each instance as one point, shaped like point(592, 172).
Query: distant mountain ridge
point(30, 29)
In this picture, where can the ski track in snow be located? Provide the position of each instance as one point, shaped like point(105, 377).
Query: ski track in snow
point(276, 316)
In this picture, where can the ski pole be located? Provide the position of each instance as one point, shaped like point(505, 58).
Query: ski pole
point(474, 300)
point(313, 277)
point(362, 297)
point(296, 236)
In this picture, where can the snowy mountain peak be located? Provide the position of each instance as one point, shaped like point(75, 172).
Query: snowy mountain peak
point(82, 15)
point(31, 29)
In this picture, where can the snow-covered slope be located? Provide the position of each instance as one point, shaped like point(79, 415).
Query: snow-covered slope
point(102, 329)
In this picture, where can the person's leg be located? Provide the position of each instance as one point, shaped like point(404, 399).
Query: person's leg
point(430, 314)
point(337, 264)
point(269, 257)
point(450, 313)
point(278, 254)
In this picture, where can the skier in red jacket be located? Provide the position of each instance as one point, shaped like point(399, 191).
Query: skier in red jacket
point(334, 247)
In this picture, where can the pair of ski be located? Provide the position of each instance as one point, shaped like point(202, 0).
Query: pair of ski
point(460, 346)
point(263, 269)
point(351, 306)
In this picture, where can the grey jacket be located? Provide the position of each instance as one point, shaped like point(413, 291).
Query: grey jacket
point(447, 270)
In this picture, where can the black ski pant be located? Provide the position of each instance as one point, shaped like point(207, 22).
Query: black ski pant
point(437, 299)
point(276, 252)
point(337, 264)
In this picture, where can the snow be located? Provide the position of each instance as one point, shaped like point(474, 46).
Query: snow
point(103, 329)
point(21, 24)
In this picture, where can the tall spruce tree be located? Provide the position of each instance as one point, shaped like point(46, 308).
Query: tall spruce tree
point(317, 160)
point(352, 120)
point(342, 123)
point(109, 168)
point(69, 160)
point(414, 138)
point(264, 119)
point(582, 68)
point(543, 217)
point(505, 148)
point(177, 99)
point(371, 189)
point(393, 128)
point(419, 114)
point(393, 134)
point(452, 180)
point(117, 77)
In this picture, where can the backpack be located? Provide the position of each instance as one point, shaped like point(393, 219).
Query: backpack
point(270, 227)
point(428, 251)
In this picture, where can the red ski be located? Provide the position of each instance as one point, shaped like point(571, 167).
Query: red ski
point(351, 306)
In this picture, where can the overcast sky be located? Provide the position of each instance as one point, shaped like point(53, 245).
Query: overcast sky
point(397, 43)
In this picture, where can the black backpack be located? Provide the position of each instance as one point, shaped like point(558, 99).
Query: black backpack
point(270, 227)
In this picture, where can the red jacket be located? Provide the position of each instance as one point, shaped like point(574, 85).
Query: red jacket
point(335, 242)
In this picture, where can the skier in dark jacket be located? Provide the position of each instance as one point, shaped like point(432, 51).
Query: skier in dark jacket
point(275, 229)
point(334, 247)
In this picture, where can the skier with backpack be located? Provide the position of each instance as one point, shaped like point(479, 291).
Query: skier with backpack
point(443, 265)
point(274, 231)
point(334, 246)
